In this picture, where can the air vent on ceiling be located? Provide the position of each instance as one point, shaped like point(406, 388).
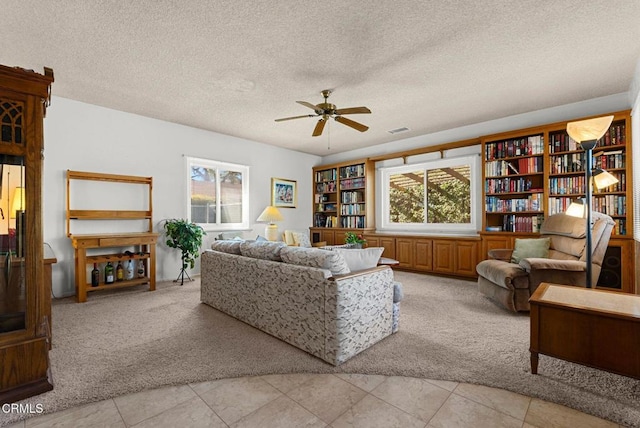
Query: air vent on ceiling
point(398, 130)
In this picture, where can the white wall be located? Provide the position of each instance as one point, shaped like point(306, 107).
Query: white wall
point(86, 137)
point(535, 118)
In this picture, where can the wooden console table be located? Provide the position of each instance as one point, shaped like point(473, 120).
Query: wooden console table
point(144, 243)
point(595, 328)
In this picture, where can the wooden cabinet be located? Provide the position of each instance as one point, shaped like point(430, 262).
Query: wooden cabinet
point(443, 256)
point(344, 196)
point(404, 252)
point(143, 243)
point(423, 250)
point(455, 256)
point(25, 303)
point(466, 258)
point(389, 244)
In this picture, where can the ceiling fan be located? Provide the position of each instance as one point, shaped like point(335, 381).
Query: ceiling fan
point(327, 110)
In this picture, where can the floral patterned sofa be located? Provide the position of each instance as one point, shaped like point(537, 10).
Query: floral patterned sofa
point(306, 297)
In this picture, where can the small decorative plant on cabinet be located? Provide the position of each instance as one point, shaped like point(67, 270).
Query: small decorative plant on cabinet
point(354, 239)
point(187, 237)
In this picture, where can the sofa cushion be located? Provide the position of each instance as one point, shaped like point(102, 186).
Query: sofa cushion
point(359, 259)
point(315, 257)
point(301, 239)
point(231, 246)
point(265, 250)
point(525, 248)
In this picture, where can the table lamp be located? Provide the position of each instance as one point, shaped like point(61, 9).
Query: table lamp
point(271, 214)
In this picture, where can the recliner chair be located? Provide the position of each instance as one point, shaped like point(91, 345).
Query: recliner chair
point(512, 284)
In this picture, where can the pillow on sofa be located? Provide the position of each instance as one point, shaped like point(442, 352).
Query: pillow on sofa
point(230, 246)
point(266, 250)
point(526, 248)
point(359, 259)
point(301, 239)
point(315, 257)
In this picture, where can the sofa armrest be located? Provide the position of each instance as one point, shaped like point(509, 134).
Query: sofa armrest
point(358, 312)
point(500, 254)
point(553, 264)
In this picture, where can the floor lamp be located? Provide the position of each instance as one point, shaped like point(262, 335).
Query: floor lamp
point(587, 133)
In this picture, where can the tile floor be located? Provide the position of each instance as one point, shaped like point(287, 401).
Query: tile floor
point(321, 400)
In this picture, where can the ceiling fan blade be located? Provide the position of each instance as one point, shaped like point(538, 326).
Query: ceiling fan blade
point(306, 104)
point(353, 110)
point(319, 127)
point(355, 125)
point(295, 117)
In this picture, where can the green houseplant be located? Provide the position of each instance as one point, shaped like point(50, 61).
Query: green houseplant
point(354, 239)
point(187, 237)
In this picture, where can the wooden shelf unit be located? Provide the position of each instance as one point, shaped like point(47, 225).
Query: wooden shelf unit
point(143, 242)
point(556, 178)
point(343, 199)
point(25, 298)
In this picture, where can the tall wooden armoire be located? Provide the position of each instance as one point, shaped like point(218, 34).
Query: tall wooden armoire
point(25, 300)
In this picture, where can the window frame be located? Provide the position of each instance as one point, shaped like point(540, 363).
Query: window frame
point(383, 194)
point(218, 165)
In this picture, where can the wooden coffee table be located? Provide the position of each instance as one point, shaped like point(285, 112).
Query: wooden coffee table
point(595, 328)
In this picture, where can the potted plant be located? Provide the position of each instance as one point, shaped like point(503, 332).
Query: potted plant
point(187, 237)
point(354, 239)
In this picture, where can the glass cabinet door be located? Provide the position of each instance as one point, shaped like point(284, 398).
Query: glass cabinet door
point(13, 290)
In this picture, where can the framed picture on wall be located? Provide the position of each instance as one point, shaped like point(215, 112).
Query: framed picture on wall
point(284, 193)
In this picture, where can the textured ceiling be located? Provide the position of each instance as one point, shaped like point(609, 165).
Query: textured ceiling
point(235, 66)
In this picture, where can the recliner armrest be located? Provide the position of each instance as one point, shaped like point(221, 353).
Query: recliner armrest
point(554, 264)
point(503, 254)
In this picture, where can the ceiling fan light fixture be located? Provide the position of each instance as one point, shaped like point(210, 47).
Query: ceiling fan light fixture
point(327, 110)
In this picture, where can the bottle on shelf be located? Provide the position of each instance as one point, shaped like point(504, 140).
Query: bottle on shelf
point(95, 276)
point(141, 269)
point(129, 271)
point(119, 272)
point(108, 273)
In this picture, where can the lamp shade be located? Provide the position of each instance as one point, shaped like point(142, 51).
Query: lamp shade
point(577, 208)
point(602, 178)
point(18, 202)
point(589, 129)
point(270, 214)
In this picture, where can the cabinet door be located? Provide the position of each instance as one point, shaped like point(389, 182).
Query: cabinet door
point(494, 243)
point(372, 241)
point(443, 256)
point(389, 245)
point(404, 252)
point(466, 258)
point(423, 254)
point(328, 236)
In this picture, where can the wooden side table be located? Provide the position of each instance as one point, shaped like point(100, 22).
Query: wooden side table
point(595, 328)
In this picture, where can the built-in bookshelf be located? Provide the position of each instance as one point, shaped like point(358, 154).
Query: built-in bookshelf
point(514, 183)
point(566, 173)
point(343, 198)
point(536, 172)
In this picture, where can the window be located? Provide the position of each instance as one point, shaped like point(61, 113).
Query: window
point(436, 196)
point(218, 194)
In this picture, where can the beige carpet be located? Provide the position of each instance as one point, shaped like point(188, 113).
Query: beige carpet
point(131, 340)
